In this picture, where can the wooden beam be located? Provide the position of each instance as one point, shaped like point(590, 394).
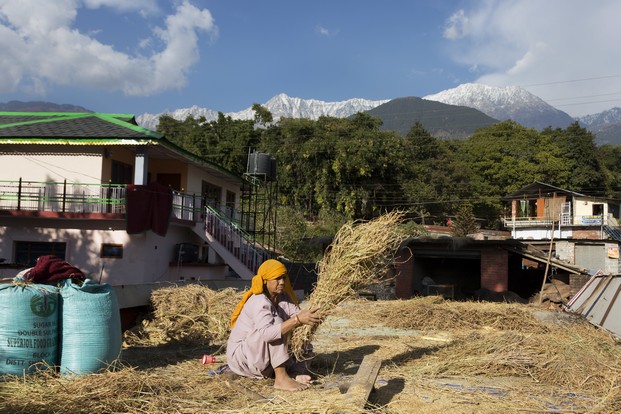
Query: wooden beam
point(363, 381)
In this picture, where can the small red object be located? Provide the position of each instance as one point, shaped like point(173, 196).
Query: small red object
point(208, 359)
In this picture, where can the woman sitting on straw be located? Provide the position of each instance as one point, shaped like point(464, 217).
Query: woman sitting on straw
point(261, 324)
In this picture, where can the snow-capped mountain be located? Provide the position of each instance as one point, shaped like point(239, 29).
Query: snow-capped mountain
point(500, 103)
point(281, 106)
point(605, 125)
point(611, 116)
point(510, 102)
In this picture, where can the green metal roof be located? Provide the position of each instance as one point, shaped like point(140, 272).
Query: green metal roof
point(88, 128)
point(32, 126)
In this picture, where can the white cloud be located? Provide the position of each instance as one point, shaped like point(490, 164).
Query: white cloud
point(144, 7)
point(456, 26)
point(556, 49)
point(324, 31)
point(41, 48)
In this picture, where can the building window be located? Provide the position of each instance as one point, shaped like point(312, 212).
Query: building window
point(27, 253)
point(121, 173)
point(211, 194)
point(230, 203)
point(111, 251)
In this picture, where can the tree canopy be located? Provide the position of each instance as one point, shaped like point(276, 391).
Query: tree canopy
point(354, 168)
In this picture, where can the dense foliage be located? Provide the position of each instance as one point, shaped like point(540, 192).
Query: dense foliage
point(357, 170)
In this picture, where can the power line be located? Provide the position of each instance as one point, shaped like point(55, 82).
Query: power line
point(571, 81)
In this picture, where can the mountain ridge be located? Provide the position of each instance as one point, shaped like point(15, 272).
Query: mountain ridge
point(504, 103)
point(281, 106)
point(499, 103)
point(40, 106)
point(439, 119)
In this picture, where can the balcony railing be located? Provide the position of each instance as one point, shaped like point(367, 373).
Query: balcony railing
point(579, 220)
point(91, 198)
point(62, 197)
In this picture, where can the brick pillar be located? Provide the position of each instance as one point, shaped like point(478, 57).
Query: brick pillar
point(404, 273)
point(495, 269)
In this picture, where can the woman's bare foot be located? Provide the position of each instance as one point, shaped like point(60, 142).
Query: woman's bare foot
point(289, 384)
point(282, 381)
point(303, 379)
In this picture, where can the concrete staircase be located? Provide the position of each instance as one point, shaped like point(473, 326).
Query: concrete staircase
point(237, 248)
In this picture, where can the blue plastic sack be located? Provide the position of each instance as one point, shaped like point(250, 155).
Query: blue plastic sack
point(29, 327)
point(91, 327)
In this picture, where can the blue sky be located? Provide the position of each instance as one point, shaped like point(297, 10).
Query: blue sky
point(151, 55)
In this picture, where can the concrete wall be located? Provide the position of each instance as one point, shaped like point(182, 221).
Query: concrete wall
point(585, 208)
point(40, 163)
point(147, 257)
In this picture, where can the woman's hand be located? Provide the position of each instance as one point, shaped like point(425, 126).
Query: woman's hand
point(309, 316)
point(303, 317)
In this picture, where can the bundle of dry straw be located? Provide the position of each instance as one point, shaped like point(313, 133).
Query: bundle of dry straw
point(192, 313)
point(358, 256)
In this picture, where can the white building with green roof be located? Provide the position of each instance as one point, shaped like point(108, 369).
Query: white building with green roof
point(64, 182)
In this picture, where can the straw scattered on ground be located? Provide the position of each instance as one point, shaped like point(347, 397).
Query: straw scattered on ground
point(435, 313)
point(359, 254)
point(437, 356)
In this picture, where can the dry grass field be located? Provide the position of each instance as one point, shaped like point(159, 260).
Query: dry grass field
point(431, 355)
point(436, 356)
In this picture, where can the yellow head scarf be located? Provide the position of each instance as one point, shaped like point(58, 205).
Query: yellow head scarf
point(269, 270)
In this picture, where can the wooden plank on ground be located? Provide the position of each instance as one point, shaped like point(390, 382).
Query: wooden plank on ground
point(363, 381)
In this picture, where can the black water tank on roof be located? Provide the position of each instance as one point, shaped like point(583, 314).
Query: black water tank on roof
point(262, 165)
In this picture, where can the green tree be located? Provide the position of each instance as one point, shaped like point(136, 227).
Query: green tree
point(223, 141)
point(465, 222)
point(299, 157)
point(505, 157)
point(580, 157)
point(187, 134)
point(262, 115)
point(609, 157)
point(432, 178)
point(365, 169)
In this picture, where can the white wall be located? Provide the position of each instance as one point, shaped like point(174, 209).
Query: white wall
point(33, 166)
point(540, 234)
point(147, 257)
point(197, 176)
point(585, 208)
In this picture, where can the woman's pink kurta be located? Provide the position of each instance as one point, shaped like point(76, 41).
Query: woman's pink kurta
point(256, 343)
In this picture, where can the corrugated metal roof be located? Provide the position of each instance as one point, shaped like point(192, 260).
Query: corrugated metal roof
point(599, 301)
point(539, 189)
point(613, 232)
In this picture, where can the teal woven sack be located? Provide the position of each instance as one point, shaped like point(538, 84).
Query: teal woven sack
point(91, 327)
point(29, 327)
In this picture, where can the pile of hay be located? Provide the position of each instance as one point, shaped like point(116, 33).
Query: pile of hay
point(357, 257)
point(433, 313)
point(503, 341)
point(488, 364)
point(191, 313)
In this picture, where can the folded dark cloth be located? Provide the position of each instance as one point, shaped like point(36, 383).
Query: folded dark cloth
point(49, 269)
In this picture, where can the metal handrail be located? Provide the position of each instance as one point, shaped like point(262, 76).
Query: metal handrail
point(62, 197)
point(576, 220)
point(111, 198)
point(237, 241)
